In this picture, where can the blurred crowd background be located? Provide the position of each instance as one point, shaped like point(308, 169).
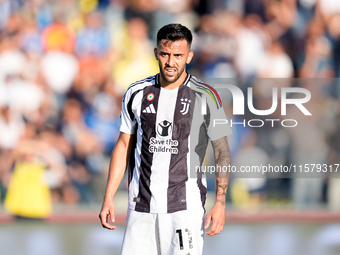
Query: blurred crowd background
point(65, 64)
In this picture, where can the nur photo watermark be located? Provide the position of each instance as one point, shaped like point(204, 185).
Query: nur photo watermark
point(282, 128)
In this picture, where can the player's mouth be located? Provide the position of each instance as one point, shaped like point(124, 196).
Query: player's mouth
point(170, 71)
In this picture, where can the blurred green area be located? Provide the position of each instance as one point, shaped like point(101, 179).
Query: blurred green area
point(37, 238)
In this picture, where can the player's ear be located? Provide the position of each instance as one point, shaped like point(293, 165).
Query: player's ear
point(155, 51)
point(190, 56)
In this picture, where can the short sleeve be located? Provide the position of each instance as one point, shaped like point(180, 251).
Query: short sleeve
point(218, 125)
point(127, 120)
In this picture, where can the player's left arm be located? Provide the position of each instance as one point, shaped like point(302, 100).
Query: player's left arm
point(217, 213)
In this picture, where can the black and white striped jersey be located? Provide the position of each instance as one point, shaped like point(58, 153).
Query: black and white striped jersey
point(171, 135)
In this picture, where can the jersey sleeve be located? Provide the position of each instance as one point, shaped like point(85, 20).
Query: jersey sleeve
point(127, 119)
point(218, 125)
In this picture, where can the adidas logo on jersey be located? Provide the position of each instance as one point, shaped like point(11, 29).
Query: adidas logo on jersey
point(149, 109)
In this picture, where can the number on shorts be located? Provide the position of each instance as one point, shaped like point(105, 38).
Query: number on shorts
point(179, 231)
point(180, 236)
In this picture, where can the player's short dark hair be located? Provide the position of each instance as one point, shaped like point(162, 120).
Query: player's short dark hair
point(174, 32)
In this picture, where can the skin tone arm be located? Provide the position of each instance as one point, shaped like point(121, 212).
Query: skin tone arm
point(118, 164)
point(217, 213)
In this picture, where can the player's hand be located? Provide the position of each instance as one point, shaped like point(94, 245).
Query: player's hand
point(107, 214)
point(217, 216)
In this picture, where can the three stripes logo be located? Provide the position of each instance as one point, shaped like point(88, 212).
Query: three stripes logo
point(149, 109)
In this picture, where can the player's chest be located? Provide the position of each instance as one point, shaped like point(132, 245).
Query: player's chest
point(165, 111)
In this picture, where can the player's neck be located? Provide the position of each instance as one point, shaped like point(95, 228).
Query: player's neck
point(174, 85)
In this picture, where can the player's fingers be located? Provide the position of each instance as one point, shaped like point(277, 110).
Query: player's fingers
point(216, 228)
point(219, 226)
point(102, 217)
point(211, 232)
point(104, 220)
point(207, 221)
point(112, 214)
point(112, 217)
point(108, 222)
point(219, 229)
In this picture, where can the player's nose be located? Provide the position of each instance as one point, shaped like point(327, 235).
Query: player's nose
point(170, 60)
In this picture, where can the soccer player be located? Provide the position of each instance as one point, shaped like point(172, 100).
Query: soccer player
point(164, 135)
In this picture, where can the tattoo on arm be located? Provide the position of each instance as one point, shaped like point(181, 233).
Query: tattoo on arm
point(221, 192)
point(221, 189)
point(222, 154)
point(222, 160)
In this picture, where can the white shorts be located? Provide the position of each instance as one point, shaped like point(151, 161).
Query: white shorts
point(178, 233)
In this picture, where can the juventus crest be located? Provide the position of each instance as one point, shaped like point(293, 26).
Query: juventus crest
point(186, 103)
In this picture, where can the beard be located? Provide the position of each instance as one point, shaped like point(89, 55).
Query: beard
point(174, 79)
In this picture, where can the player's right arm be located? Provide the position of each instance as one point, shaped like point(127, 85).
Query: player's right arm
point(118, 164)
point(120, 157)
